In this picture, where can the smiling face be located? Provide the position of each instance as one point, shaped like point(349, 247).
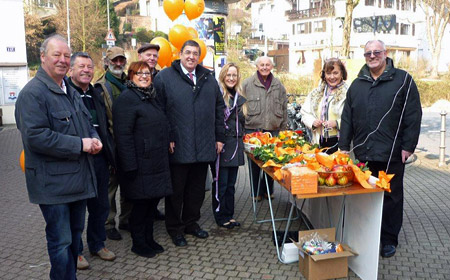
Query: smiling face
point(334, 76)
point(231, 78)
point(143, 77)
point(375, 56)
point(189, 57)
point(150, 56)
point(56, 60)
point(264, 67)
point(117, 65)
point(82, 72)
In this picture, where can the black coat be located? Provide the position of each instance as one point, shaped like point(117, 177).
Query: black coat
point(366, 104)
point(231, 137)
point(142, 140)
point(195, 113)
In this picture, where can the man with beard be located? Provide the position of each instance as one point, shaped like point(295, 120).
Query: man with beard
point(81, 74)
point(111, 84)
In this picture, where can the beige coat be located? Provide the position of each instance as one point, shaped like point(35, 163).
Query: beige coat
point(311, 105)
point(266, 109)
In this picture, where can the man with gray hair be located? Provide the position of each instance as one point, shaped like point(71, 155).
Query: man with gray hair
point(59, 142)
point(382, 115)
point(111, 85)
point(267, 112)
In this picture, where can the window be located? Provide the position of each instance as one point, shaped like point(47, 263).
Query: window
point(404, 29)
point(261, 27)
point(314, 4)
point(369, 2)
point(319, 26)
point(293, 30)
point(406, 5)
point(301, 28)
point(44, 3)
point(160, 3)
point(389, 4)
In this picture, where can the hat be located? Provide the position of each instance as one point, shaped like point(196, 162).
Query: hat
point(145, 47)
point(114, 52)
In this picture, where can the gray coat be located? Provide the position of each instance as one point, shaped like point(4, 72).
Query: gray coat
point(195, 113)
point(52, 125)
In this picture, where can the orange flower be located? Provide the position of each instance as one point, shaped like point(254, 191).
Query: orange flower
point(272, 164)
point(383, 181)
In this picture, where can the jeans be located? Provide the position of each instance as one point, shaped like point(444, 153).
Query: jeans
point(226, 183)
point(98, 208)
point(65, 223)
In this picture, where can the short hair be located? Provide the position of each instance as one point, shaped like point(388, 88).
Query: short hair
point(373, 41)
point(79, 54)
point(258, 60)
point(191, 43)
point(328, 66)
point(135, 67)
point(58, 37)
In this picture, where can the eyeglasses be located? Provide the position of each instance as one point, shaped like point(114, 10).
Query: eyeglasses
point(188, 53)
point(375, 53)
point(142, 74)
point(232, 75)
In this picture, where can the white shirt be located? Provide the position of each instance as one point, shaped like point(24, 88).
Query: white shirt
point(186, 72)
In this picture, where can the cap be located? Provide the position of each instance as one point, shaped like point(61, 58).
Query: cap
point(114, 52)
point(145, 47)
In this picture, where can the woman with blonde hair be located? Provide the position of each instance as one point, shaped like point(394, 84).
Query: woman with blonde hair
point(232, 156)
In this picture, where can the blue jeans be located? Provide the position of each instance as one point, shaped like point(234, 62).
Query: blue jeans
point(98, 208)
point(226, 183)
point(65, 223)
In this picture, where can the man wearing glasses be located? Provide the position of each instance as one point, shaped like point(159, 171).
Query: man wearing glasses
point(191, 98)
point(382, 116)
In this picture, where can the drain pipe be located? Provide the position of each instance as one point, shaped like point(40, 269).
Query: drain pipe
point(442, 146)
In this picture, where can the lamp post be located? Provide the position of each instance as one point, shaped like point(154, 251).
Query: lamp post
point(68, 23)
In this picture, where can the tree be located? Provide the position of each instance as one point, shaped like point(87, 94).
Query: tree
point(34, 35)
point(437, 17)
point(347, 28)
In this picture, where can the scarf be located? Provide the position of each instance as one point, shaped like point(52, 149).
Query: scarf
point(115, 81)
point(146, 91)
point(268, 81)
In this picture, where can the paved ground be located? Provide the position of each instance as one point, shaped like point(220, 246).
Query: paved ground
point(244, 253)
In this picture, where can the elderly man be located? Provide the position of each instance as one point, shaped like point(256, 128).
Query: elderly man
point(58, 140)
point(81, 74)
point(191, 98)
point(266, 111)
point(382, 115)
point(111, 84)
point(149, 54)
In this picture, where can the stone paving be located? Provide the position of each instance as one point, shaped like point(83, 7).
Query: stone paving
point(241, 253)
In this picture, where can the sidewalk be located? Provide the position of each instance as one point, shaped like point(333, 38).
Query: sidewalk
point(242, 253)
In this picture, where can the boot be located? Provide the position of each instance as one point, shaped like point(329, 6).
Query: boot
point(150, 241)
point(140, 247)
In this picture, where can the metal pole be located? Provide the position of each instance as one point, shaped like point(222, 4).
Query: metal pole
point(265, 30)
point(107, 11)
point(68, 23)
point(442, 146)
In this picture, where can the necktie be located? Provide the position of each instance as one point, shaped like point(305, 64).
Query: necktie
point(191, 76)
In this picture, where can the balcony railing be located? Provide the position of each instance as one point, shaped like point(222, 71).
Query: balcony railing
point(310, 13)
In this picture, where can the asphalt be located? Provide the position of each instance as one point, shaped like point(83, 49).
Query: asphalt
point(241, 253)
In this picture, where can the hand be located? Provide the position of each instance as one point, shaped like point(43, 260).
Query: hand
point(329, 124)
point(96, 146)
point(345, 152)
point(219, 147)
point(317, 123)
point(172, 147)
point(87, 145)
point(405, 155)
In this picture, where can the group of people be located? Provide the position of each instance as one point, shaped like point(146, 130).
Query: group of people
point(154, 134)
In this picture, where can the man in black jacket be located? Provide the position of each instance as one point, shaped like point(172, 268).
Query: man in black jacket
point(81, 74)
point(382, 116)
point(191, 98)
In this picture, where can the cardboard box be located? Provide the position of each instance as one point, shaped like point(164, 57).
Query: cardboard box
point(326, 266)
point(301, 180)
point(290, 252)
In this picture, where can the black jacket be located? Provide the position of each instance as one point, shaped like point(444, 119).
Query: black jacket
point(141, 132)
point(195, 113)
point(103, 124)
point(231, 137)
point(368, 101)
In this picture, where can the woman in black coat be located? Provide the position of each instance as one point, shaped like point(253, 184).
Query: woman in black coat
point(232, 155)
point(142, 139)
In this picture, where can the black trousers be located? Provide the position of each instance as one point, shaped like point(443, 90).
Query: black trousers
point(329, 142)
point(223, 209)
point(392, 217)
point(183, 206)
point(141, 220)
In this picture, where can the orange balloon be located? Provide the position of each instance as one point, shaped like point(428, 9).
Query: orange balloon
point(202, 49)
point(193, 32)
point(179, 34)
point(175, 53)
point(22, 160)
point(173, 8)
point(165, 52)
point(194, 8)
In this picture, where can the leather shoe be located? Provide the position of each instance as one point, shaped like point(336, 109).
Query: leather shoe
point(387, 251)
point(179, 240)
point(200, 233)
point(160, 216)
point(113, 234)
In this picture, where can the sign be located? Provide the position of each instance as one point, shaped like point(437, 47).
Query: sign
point(110, 36)
point(11, 49)
point(12, 80)
point(219, 35)
point(110, 43)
